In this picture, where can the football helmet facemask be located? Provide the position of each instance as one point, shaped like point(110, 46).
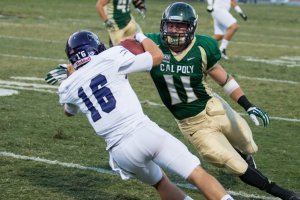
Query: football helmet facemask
point(81, 46)
point(179, 12)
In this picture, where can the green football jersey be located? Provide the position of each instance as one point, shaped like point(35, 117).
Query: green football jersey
point(181, 79)
point(119, 11)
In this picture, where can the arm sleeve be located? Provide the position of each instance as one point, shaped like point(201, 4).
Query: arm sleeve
point(138, 63)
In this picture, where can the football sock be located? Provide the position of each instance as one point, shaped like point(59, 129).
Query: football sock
point(227, 197)
point(224, 44)
point(255, 178)
point(188, 198)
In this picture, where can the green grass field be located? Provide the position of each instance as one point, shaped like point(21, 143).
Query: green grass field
point(45, 155)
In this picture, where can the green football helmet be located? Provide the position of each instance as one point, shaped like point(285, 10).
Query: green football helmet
point(178, 12)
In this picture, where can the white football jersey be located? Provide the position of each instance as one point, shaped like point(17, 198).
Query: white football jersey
point(103, 93)
point(222, 4)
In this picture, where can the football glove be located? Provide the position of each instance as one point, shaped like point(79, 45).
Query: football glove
point(209, 8)
point(255, 112)
point(142, 12)
point(140, 7)
point(109, 24)
point(244, 16)
point(57, 75)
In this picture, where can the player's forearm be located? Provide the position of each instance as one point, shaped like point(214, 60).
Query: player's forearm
point(236, 93)
point(151, 47)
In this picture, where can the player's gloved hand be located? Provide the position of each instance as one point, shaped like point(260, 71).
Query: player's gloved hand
point(140, 7)
point(57, 75)
point(109, 24)
point(142, 12)
point(244, 16)
point(255, 112)
point(209, 8)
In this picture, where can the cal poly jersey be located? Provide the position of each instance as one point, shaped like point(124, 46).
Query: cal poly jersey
point(181, 80)
point(102, 92)
point(119, 11)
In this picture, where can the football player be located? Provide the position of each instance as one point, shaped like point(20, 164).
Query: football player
point(117, 18)
point(137, 147)
point(225, 25)
point(221, 136)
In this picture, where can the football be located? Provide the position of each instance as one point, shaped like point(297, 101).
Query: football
point(133, 46)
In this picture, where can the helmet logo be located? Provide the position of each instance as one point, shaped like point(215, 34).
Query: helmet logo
point(81, 62)
point(95, 38)
point(91, 53)
point(179, 18)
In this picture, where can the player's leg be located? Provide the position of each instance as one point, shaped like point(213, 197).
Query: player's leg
point(189, 169)
point(227, 25)
point(206, 183)
point(219, 31)
point(205, 133)
point(240, 136)
point(133, 158)
point(132, 28)
point(116, 36)
point(167, 190)
point(255, 178)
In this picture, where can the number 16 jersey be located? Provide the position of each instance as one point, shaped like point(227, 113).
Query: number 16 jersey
point(103, 93)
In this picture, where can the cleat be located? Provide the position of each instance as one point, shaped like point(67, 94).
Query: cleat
point(294, 196)
point(224, 55)
point(282, 193)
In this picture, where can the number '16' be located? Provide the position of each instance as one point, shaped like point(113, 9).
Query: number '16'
point(103, 95)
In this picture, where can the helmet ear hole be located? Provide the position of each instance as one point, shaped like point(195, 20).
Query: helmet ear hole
point(81, 46)
point(183, 13)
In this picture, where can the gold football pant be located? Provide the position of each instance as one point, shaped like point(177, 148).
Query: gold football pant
point(130, 29)
point(216, 132)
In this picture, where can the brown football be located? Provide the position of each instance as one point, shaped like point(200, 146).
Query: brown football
point(133, 46)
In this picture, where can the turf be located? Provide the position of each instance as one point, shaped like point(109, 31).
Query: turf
point(32, 39)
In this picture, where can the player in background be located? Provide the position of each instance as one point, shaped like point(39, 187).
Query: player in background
point(117, 18)
point(137, 147)
point(225, 25)
point(221, 136)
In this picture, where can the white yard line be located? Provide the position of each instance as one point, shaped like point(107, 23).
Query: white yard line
point(109, 172)
point(269, 36)
point(29, 85)
point(285, 61)
point(236, 42)
point(34, 58)
point(267, 45)
point(27, 78)
point(147, 102)
point(31, 39)
point(267, 80)
point(53, 89)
